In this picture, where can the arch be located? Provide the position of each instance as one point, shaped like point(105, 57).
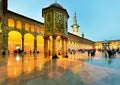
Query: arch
point(69, 45)
point(11, 22)
point(42, 29)
point(19, 24)
point(32, 28)
point(40, 43)
point(28, 43)
point(27, 26)
point(14, 41)
point(73, 45)
point(58, 45)
point(38, 29)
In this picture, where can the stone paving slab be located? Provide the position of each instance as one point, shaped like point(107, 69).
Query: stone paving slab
point(63, 71)
point(88, 75)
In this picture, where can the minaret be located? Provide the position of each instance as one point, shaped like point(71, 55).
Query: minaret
point(75, 26)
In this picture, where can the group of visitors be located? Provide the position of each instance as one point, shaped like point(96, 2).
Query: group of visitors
point(110, 52)
point(91, 52)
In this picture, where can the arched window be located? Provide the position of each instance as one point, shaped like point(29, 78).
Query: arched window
point(19, 24)
point(77, 30)
point(38, 29)
point(11, 23)
point(32, 28)
point(27, 26)
point(42, 29)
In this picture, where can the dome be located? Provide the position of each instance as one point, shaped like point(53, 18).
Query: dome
point(56, 5)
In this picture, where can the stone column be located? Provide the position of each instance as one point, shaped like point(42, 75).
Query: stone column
point(58, 52)
point(5, 43)
point(1, 40)
point(63, 47)
point(15, 24)
point(23, 43)
point(49, 47)
point(54, 46)
point(46, 46)
point(35, 45)
point(23, 28)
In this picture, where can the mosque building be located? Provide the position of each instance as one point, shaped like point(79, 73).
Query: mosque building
point(75, 27)
point(51, 37)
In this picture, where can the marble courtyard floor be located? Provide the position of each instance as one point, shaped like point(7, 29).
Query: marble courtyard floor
point(78, 69)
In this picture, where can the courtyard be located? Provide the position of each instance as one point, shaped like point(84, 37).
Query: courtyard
point(77, 69)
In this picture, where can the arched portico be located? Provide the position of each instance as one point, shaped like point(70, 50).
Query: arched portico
point(40, 43)
point(28, 43)
point(14, 41)
point(55, 45)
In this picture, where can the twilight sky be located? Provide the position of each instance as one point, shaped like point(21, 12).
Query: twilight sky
point(98, 19)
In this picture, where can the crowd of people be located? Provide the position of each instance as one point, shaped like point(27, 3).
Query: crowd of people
point(92, 52)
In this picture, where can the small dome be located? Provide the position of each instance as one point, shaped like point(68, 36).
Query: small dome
point(56, 5)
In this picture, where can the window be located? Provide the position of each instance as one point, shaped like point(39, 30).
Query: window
point(27, 26)
point(32, 28)
point(19, 24)
point(11, 23)
point(38, 29)
point(42, 29)
point(76, 30)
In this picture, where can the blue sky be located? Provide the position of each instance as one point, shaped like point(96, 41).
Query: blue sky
point(98, 19)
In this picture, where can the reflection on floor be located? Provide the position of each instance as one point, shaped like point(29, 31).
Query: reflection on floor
point(37, 70)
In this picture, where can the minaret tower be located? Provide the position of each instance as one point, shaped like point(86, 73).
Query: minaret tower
point(75, 26)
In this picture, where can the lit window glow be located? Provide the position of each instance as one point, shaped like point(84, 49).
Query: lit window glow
point(10, 22)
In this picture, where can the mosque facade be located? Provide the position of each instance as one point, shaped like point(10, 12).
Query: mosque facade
point(51, 37)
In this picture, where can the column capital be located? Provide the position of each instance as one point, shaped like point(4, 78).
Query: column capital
point(54, 36)
point(46, 37)
point(63, 37)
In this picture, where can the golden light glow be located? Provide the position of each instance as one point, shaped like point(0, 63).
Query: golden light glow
point(28, 64)
point(68, 44)
point(58, 44)
point(19, 24)
point(40, 43)
point(14, 68)
point(27, 26)
point(32, 28)
point(14, 40)
point(42, 30)
point(28, 43)
point(38, 29)
point(73, 45)
point(10, 22)
point(25, 65)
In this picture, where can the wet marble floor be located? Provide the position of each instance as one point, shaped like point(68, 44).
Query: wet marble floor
point(78, 69)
